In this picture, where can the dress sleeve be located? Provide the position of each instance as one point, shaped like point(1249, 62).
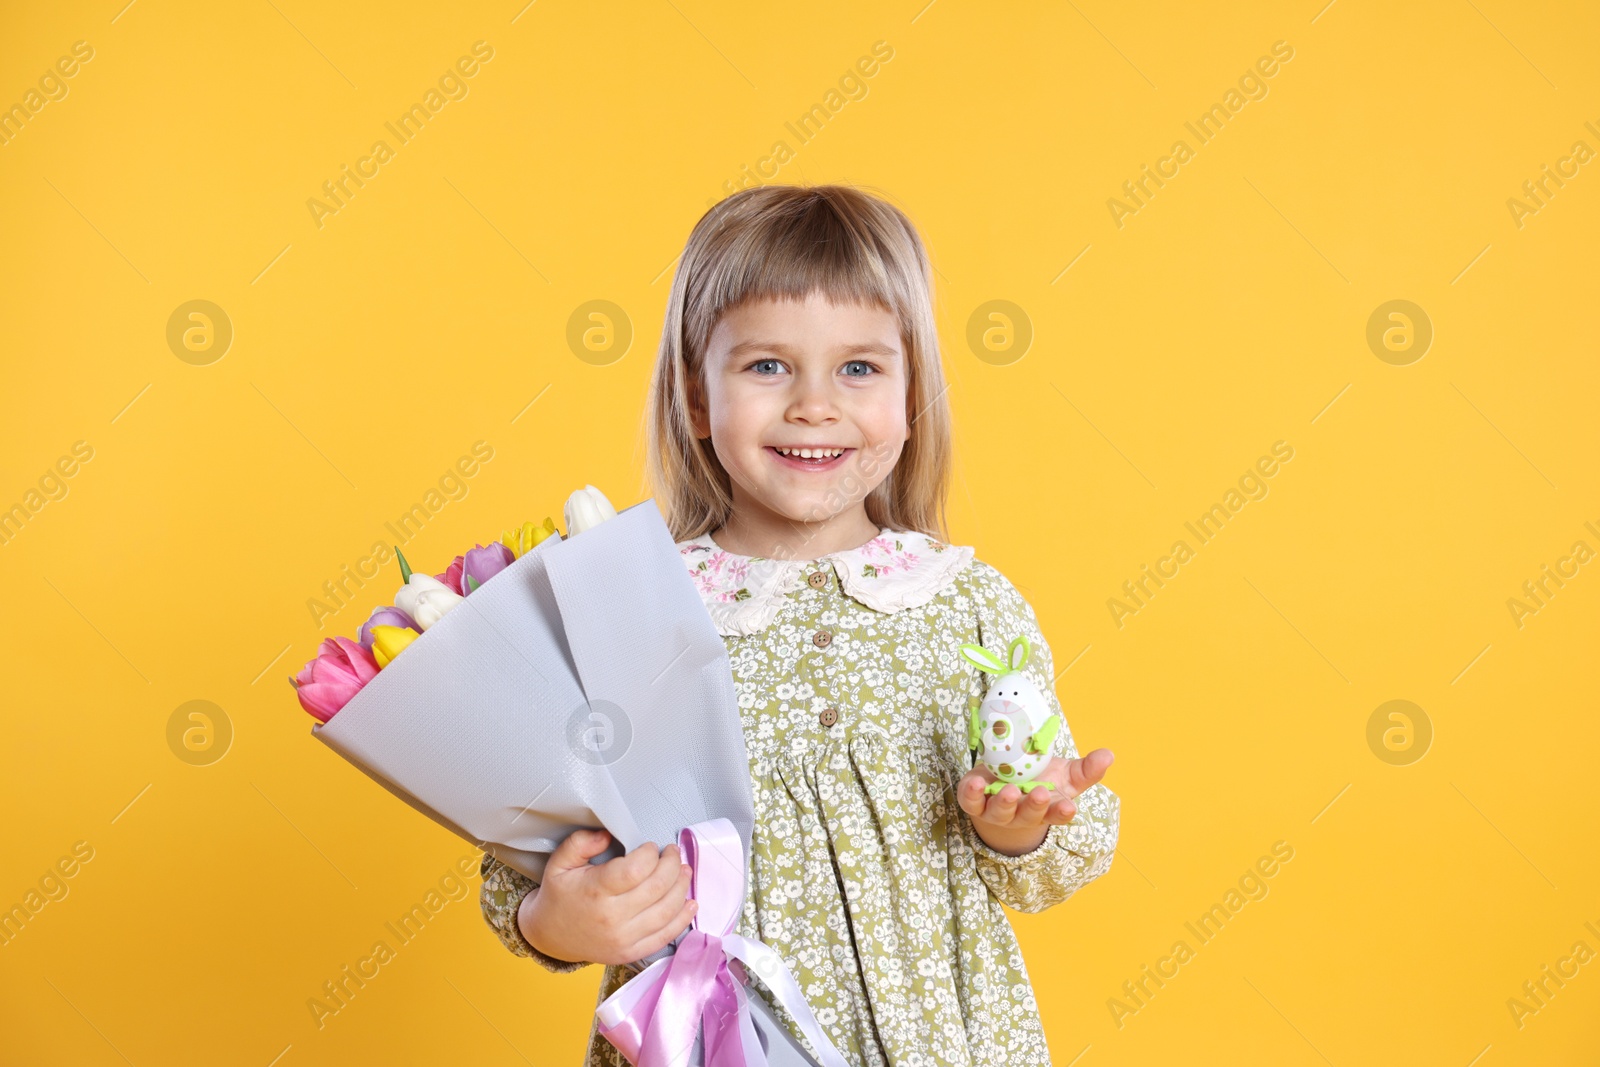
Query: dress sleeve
point(501, 896)
point(1072, 854)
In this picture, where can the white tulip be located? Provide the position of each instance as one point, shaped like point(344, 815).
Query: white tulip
point(426, 599)
point(585, 509)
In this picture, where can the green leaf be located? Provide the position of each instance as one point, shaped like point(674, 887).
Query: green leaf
point(405, 568)
point(472, 584)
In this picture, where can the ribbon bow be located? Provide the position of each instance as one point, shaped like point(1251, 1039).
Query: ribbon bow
point(654, 1019)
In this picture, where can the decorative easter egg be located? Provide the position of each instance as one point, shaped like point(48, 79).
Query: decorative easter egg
point(1012, 727)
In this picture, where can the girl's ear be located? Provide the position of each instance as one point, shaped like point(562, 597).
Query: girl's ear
point(1017, 652)
point(983, 659)
point(699, 420)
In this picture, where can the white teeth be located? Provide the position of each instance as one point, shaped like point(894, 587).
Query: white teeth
point(811, 453)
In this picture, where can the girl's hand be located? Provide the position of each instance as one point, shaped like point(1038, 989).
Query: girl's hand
point(618, 911)
point(1012, 823)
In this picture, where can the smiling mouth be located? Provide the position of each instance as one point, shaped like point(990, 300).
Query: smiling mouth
point(810, 459)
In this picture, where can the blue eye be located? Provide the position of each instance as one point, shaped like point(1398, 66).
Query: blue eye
point(861, 363)
point(764, 362)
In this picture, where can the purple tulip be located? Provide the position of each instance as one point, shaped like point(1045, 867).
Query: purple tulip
point(385, 616)
point(483, 563)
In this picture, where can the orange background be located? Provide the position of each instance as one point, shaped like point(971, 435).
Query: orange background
point(230, 879)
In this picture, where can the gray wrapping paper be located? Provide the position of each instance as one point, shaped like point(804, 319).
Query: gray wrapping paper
point(584, 685)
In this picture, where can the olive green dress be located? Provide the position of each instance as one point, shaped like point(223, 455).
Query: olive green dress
point(867, 877)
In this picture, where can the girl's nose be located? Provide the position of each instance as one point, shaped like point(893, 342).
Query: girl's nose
point(813, 402)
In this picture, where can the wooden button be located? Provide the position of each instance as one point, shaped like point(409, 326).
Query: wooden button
point(829, 716)
point(822, 638)
point(818, 579)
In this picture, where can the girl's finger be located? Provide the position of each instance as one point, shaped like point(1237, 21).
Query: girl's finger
point(1003, 807)
point(654, 916)
point(970, 795)
point(1089, 769)
point(1034, 808)
point(1030, 809)
point(663, 937)
point(620, 874)
point(661, 881)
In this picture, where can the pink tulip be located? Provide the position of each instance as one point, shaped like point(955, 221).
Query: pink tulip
point(452, 576)
point(326, 684)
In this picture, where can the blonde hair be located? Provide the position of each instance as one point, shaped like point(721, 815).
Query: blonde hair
point(787, 242)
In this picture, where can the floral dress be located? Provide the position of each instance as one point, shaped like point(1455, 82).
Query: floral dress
point(866, 875)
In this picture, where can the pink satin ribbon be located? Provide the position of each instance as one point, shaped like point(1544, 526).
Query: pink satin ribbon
point(654, 1018)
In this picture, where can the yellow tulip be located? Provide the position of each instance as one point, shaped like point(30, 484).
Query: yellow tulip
point(389, 641)
point(516, 538)
point(520, 539)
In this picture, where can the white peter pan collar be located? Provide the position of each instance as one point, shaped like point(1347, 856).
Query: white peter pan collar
point(896, 569)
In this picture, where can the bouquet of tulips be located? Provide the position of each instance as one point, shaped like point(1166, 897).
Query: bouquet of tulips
point(477, 698)
point(342, 666)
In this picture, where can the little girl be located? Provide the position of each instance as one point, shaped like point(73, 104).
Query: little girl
point(799, 445)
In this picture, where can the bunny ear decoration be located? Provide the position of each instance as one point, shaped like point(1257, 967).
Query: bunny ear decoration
point(1017, 652)
point(983, 659)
